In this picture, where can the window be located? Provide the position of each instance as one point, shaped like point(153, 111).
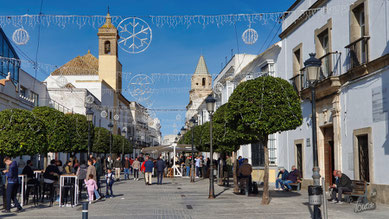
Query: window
point(265, 69)
point(23, 91)
point(324, 50)
point(257, 155)
point(359, 34)
point(297, 61)
point(203, 82)
point(107, 47)
point(35, 98)
point(297, 65)
point(272, 146)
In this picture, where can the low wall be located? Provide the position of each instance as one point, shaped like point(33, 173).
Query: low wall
point(257, 174)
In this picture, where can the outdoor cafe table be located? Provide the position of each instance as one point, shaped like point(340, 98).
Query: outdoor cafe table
point(62, 183)
point(23, 187)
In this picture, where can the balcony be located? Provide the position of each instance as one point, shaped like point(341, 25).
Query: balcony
point(329, 80)
point(357, 52)
point(331, 66)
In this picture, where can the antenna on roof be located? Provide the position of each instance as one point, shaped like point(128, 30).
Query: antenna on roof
point(108, 9)
point(232, 52)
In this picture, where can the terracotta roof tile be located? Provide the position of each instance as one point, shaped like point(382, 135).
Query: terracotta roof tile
point(81, 65)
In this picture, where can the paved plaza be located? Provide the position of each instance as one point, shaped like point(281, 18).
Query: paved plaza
point(178, 198)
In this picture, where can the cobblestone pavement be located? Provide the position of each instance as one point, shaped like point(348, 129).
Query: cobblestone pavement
point(178, 198)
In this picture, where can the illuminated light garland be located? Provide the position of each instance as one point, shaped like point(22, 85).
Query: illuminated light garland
point(163, 20)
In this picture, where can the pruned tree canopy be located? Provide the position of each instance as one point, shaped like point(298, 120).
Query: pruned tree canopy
point(21, 133)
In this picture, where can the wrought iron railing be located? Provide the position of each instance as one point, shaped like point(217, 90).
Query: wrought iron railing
point(331, 66)
point(357, 52)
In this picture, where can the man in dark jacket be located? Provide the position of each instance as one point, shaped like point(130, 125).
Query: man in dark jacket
point(149, 165)
point(12, 185)
point(160, 165)
point(293, 177)
point(344, 184)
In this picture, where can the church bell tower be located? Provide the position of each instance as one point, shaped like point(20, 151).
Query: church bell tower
point(110, 69)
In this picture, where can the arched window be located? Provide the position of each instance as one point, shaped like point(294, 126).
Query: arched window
point(107, 47)
point(203, 82)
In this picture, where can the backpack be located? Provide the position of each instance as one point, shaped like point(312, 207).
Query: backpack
point(82, 173)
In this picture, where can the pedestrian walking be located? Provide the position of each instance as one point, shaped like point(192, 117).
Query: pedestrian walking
point(92, 170)
point(149, 165)
point(91, 186)
point(136, 166)
point(160, 166)
point(12, 185)
point(81, 175)
point(126, 168)
point(109, 180)
point(118, 167)
point(99, 171)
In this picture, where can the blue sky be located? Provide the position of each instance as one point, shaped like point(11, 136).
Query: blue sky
point(172, 50)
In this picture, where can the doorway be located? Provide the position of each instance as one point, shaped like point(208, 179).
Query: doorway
point(299, 158)
point(363, 157)
point(329, 158)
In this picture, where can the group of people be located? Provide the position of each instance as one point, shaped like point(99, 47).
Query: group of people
point(283, 182)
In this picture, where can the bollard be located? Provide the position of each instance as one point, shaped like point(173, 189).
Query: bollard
point(85, 210)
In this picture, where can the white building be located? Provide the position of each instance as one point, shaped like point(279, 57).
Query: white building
point(351, 39)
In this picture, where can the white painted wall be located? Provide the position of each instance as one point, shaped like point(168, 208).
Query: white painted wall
point(357, 114)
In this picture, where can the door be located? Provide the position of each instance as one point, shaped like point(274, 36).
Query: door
point(363, 156)
point(299, 158)
point(328, 155)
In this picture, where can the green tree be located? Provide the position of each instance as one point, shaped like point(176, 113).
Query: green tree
point(261, 107)
point(118, 143)
point(100, 140)
point(78, 126)
point(21, 133)
point(227, 139)
point(57, 126)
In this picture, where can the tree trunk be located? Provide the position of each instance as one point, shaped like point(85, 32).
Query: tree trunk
point(266, 195)
point(221, 172)
point(234, 173)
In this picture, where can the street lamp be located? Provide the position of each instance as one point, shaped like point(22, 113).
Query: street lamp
point(110, 126)
point(124, 135)
point(89, 119)
point(210, 101)
point(192, 124)
point(312, 66)
point(183, 130)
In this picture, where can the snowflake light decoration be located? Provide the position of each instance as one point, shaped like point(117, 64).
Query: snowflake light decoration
point(135, 35)
point(140, 87)
point(20, 36)
point(250, 36)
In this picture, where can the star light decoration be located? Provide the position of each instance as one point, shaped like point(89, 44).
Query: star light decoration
point(140, 87)
point(135, 35)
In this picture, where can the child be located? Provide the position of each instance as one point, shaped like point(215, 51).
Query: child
point(109, 177)
point(91, 187)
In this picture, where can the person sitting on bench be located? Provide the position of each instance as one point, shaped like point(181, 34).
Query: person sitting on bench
point(280, 181)
point(293, 177)
point(344, 184)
